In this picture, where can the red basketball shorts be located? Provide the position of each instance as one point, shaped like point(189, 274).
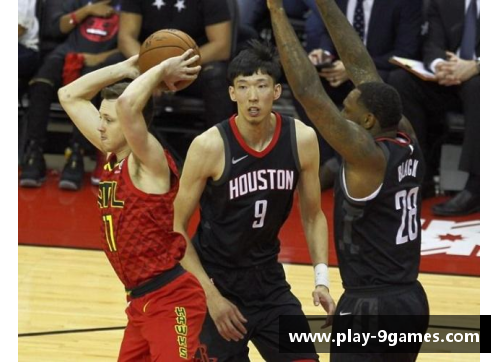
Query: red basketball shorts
point(164, 325)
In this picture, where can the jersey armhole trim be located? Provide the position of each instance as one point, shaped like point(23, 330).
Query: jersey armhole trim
point(293, 136)
point(362, 200)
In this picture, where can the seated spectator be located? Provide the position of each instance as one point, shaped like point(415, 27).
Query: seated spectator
point(92, 29)
point(451, 50)
point(208, 22)
point(27, 35)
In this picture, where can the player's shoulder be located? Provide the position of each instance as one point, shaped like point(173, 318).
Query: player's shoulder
point(209, 143)
point(306, 135)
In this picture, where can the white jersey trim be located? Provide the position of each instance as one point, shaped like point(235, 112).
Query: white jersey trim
point(364, 199)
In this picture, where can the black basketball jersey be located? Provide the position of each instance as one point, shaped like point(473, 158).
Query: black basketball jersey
point(377, 239)
point(242, 212)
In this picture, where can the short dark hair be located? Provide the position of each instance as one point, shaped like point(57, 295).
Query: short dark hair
point(116, 90)
point(257, 56)
point(383, 101)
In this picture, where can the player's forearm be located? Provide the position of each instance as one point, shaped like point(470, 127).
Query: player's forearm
point(139, 91)
point(191, 262)
point(316, 231)
point(183, 211)
point(304, 83)
point(89, 85)
point(358, 63)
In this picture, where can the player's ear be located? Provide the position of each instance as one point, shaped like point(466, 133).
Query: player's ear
point(231, 93)
point(369, 121)
point(277, 91)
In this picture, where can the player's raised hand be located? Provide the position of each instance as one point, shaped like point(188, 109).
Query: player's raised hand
point(321, 295)
point(227, 318)
point(179, 68)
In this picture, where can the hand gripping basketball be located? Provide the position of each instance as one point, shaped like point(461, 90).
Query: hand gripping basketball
point(165, 44)
point(180, 70)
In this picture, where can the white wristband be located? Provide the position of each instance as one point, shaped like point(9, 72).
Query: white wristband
point(321, 275)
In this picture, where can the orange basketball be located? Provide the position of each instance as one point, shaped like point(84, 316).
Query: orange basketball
point(164, 44)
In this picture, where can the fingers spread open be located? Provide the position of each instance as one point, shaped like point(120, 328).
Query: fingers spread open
point(187, 54)
point(191, 60)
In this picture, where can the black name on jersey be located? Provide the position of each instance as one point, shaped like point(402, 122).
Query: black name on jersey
point(408, 168)
point(261, 180)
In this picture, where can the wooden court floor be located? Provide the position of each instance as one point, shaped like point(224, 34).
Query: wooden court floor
point(71, 304)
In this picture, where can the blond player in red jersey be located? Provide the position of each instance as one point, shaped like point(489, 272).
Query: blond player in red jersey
point(139, 183)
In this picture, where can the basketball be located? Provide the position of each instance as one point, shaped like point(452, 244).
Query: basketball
point(164, 44)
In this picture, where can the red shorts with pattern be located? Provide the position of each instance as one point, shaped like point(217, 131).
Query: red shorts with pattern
point(164, 325)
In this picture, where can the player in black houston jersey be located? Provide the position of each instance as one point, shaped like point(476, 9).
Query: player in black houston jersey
point(377, 196)
point(244, 173)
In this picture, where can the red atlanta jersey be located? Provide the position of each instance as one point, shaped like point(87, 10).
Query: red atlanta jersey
point(137, 228)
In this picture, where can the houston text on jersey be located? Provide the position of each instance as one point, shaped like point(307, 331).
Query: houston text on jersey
point(261, 180)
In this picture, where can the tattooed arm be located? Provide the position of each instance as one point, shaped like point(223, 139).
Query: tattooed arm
point(354, 143)
point(358, 63)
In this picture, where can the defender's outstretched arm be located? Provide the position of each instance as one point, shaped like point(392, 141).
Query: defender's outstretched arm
point(357, 61)
point(354, 144)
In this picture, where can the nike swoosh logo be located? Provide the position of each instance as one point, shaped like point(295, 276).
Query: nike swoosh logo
point(235, 161)
point(345, 313)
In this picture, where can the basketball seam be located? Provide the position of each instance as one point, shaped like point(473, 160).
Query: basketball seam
point(189, 45)
point(163, 46)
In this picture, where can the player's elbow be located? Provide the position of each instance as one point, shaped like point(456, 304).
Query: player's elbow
point(64, 96)
point(125, 103)
point(126, 107)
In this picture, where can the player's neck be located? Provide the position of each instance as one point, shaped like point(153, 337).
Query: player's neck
point(386, 133)
point(122, 153)
point(257, 135)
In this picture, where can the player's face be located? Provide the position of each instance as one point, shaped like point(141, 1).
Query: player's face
point(353, 110)
point(254, 96)
point(112, 138)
